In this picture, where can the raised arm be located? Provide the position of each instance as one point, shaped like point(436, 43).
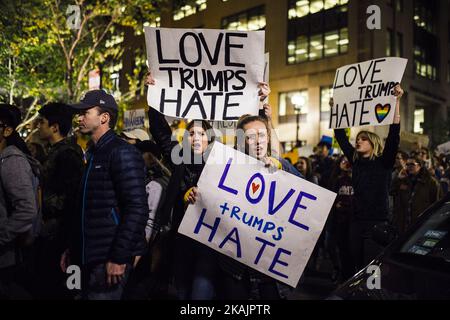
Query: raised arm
point(159, 128)
point(393, 139)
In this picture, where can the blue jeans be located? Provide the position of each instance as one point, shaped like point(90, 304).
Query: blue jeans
point(195, 270)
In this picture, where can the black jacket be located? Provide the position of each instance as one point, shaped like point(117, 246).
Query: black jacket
point(184, 175)
point(61, 177)
point(114, 209)
point(371, 178)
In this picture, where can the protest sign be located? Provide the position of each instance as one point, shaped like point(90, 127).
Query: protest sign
point(134, 119)
point(204, 73)
point(267, 221)
point(363, 93)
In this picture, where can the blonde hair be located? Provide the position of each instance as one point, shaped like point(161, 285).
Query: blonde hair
point(375, 142)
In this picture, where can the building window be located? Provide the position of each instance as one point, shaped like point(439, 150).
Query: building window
point(426, 43)
point(326, 93)
point(185, 8)
point(394, 48)
point(419, 118)
point(317, 30)
point(313, 47)
point(249, 20)
point(293, 103)
point(301, 8)
point(425, 12)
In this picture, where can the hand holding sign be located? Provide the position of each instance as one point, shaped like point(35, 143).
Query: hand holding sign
point(269, 222)
point(364, 93)
point(382, 111)
point(204, 74)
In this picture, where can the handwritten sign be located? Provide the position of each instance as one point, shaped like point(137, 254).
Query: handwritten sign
point(267, 221)
point(363, 93)
point(203, 73)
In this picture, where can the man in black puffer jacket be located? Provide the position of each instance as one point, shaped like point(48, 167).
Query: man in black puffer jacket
point(113, 203)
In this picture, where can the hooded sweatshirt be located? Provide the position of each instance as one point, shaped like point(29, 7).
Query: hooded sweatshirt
point(18, 205)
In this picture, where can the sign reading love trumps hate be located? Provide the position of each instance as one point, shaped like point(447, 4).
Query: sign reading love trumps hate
point(204, 73)
point(363, 93)
point(267, 221)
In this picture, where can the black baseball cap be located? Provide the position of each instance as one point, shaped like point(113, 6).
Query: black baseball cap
point(10, 114)
point(96, 98)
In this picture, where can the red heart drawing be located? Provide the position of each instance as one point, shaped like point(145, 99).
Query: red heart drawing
point(255, 187)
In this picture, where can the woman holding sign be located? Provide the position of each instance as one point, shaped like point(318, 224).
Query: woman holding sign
point(372, 169)
point(195, 265)
point(240, 282)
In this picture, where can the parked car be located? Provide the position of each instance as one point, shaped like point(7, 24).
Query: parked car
point(414, 266)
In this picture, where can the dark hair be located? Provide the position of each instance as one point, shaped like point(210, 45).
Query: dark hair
point(418, 160)
point(58, 113)
point(112, 115)
point(324, 144)
point(16, 140)
point(10, 115)
point(309, 169)
point(403, 154)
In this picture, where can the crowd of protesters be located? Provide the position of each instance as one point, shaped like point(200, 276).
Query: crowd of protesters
point(114, 209)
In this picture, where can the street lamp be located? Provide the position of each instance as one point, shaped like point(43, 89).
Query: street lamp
point(298, 101)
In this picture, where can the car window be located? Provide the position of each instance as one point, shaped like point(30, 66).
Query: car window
point(432, 238)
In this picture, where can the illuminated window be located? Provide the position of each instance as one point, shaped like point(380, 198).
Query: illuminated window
point(301, 8)
point(249, 20)
point(419, 118)
point(394, 49)
point(287, 110)
point(313, 47)
point(326, 93)
point(425, 12)
point(316, 29)
point(184, 8)
point(425, 62)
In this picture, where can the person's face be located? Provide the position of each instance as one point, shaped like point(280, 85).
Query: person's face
point(412, 166)
point(302, 165)
point(345, 165)
point(363, 145)
point(256, 139)
point(45, 131)
point(322, 151)
point(198, 139)
point(5, 131)
point(399, 161)
point(423, 155)
point(90, 120)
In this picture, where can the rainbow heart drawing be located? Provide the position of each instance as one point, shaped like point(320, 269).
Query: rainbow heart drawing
point(381, 111)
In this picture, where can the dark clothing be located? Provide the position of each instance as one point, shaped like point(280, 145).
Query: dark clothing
point(371, 181)
point(371, 178)
point(412, 195)
point(248, 283)
point(189, 259)
point(61, 177)
point(114, 209)
point(18, 202)
point(95, 285)
point(324, 168)
point(341, 216)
